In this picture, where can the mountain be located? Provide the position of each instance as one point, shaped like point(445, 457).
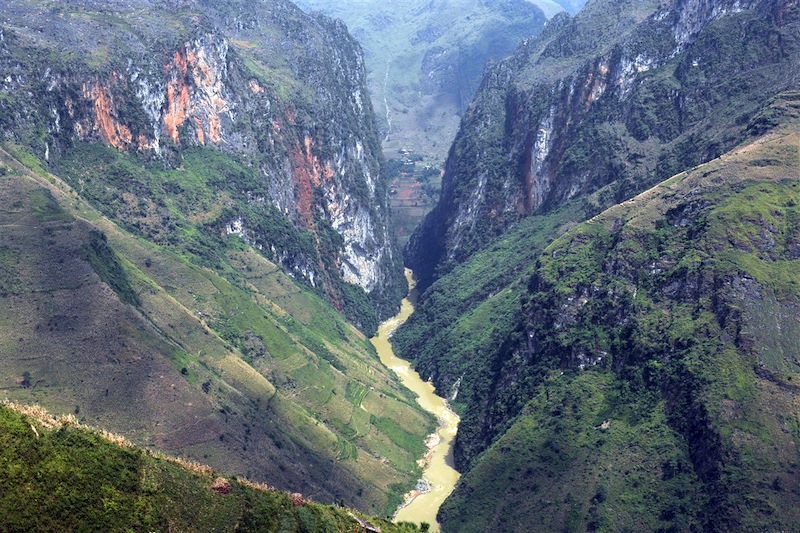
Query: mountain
point(622, 96)
point(653, 368)
point(596, 110)
point(192, 192)
point(426, 58)
point(425, 62)
point(77, 479)
point(274, 90)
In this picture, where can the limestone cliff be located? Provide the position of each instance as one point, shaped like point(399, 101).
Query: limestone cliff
point(621, 96)
point(280, 92)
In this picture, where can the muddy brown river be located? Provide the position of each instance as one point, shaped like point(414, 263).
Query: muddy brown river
point(438, 472)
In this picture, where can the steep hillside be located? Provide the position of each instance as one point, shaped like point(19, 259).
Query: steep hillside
point(239, 367)
point(262, 87)
point(463, 315)
point(622, 96)
point(190, 192)
point(599, 108)
point(60, 476)
point(650, 382)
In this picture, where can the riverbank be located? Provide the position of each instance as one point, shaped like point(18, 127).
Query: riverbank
point(439, 477)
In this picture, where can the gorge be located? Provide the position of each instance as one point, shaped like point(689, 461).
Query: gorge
point(213, 318)
point(439, 475)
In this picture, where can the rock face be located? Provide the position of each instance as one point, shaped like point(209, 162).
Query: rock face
point(620, 97)
point(596, 110)
point(275, 89)
point(639, 369)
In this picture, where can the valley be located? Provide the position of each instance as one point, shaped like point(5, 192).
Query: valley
point(425, 61)
point(439, 475)
point(460, 266)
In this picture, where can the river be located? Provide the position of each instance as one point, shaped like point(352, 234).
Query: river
point(438, 471)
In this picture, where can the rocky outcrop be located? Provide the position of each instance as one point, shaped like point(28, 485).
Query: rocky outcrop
point(620, 97)
point(280, 91)
point(674, 298)
point(599, 108)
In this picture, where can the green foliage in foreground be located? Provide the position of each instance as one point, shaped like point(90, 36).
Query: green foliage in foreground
point(72, 479)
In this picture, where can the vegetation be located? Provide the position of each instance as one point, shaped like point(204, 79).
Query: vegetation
point(683, 105)
point(107, 266)
point(637, 390)
point(251, 164)
point(250, 359)
point(59, 476)
point(188, 209)
point(596, 110)
point(472, 309)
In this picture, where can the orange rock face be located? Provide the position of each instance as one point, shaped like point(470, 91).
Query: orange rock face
point(177, 109)
point(308, 173)
point(177, 97)
point(190, 71)
point(112, 132)
point(255, 88)
point(201, 137)
point(305, 174)
point(194, 95)
point(214, 129)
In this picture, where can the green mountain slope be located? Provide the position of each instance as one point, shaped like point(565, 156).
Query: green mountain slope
point(654, 363)
point(461, 319)
point(594, 111)
point(238, 366)
point(193, 200)
point(59, 476)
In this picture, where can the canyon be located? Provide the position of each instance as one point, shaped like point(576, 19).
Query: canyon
point(199, 251)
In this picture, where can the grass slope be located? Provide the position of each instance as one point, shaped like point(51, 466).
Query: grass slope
point(59, 476)
point(651, 380)
point(230, 360)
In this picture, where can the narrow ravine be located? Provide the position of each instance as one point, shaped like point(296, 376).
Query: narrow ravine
point(438, 476)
